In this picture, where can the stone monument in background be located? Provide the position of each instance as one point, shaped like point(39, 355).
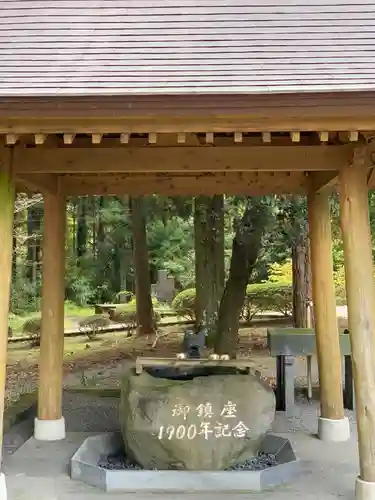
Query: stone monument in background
point(164, 288)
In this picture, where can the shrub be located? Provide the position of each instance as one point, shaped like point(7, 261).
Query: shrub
point(281, 273)
point(127, 314)
point(269, 296)
point(125, 296)
point(339, 280)
point(124, 313)
point(33, 327)
point(93, 324)
point(154, 301)
point(184, 303)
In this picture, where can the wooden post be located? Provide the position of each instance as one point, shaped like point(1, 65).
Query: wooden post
point(333, 426)
point(50, 425)
point(6, 243)
point(360, 293)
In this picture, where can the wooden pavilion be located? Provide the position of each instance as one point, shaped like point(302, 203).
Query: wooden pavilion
point(248, 97)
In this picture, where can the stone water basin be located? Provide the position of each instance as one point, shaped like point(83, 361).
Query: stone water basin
point(250, 460)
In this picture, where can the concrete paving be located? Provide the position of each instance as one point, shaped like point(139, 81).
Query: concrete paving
point(40, 471)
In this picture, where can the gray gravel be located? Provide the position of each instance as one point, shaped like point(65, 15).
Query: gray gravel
point(90, 413)
point(119, 461)
point(261, 462)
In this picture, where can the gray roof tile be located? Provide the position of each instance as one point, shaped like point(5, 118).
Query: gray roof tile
point(84, 47)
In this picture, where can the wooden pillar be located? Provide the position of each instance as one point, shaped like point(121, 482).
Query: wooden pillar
point(333, 426)
point(360, 292)
point(50, 425)
point(6, 243)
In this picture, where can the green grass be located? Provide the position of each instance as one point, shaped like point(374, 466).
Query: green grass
point(16, 322)
point(71, 309)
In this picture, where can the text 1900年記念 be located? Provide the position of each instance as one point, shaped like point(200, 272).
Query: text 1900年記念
point(221, 424)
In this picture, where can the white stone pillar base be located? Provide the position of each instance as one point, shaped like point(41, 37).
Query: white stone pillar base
point(3, 487)
point(49, 430)
point(364, 490)
point(333, 430)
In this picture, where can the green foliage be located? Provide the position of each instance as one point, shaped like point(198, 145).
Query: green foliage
point(80, 290)
point(281, 273)
point(339, 280)
point(269, 296)
point(71, 309)
point(171, 247)
point(127, 314)
point(24, 297)
point(184, 303)
point(154, 301)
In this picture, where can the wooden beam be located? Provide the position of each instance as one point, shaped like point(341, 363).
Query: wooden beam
point(181, 138)
point(322, 180)
point(210, 138)
point(353, 136)
point(39, 183)
point(39, 139)
point(272, 114)
point(152, 138)
point(52, 334)
point(360, 293)
point(6, 231)
point(295, 136)
point(371, 178)
point(238, 137)
point(324, 298)
point(324, 136)
point(68, 138)
point(266, 137)
point(124, 138)
point(241, 183)
point(11, 139)
point(177, 159)
point(96, 138)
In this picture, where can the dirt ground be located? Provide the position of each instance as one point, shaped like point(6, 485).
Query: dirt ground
point(99, 362)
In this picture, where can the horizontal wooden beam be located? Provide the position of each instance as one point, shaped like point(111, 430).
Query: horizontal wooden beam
point(187, 159)
point(308, 118)
point(322, 180)
point(39, 183)
point(233, 183)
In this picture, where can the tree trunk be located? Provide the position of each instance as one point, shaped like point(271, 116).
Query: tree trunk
point(209, 260)
point(82, 228)
point(299, 283)
point(141, 267)
point(16, 223)
point(247, 244)
point(34, 220)
point(308, 283)
point(74, 227)
point(302, 288)
point(93, 224)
